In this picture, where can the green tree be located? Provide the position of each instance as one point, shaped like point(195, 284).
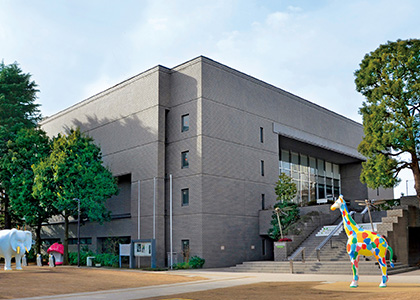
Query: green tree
point(389, 78)
point(17, 110)
point(28, 148)
point(73, 170)
point(285, 190)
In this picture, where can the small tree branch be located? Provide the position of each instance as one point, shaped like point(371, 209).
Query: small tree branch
point(393, 154)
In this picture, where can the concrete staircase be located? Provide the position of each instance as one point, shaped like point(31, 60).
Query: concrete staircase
point(393, 218)
point(334, 250)
point(333, 256)
point(312, 267)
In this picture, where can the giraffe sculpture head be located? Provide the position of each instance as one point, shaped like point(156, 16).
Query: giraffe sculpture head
point(338, 203)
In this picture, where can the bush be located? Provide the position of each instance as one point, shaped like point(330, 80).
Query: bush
point(83, 257)
point(105, 259)
point(196, 262)
point(31, 256)
point(179, 266)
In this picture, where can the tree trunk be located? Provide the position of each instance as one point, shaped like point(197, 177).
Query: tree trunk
point(416, 173)
point(7, 217)
point(66, 241)
point(38, 237)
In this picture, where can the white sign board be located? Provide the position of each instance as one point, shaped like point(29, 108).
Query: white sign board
point(125, 249)
point(143, 249)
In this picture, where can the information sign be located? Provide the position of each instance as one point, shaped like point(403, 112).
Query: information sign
point(143, 249)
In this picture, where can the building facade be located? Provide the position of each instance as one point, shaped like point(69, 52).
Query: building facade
point(224, 137)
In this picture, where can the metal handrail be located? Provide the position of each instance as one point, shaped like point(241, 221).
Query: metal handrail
point(300, 250)
point(325, 241)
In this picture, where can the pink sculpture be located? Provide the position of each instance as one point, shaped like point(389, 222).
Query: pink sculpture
point(13, 243)
point(57, 250)
point(363, 242)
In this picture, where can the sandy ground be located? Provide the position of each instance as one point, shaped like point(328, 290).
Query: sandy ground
point(37, 282)
point(42, 281)
point(304, 291)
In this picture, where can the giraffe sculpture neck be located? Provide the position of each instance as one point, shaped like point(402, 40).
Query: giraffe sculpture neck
point(349, 224)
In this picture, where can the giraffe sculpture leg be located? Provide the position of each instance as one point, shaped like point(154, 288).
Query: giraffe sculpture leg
point(355, 268)
point(380, 254)
point(382, 264)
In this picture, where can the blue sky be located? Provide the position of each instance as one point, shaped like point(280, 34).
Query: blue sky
point(75, 49)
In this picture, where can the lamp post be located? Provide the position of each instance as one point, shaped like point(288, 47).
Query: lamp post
point(78, 231)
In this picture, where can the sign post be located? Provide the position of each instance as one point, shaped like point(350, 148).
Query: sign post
point(143, 248)
point(125, 250)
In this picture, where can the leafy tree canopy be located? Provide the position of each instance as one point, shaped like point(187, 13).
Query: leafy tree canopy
point(17, 110)
point(389, 78)
point(17, 99)
point(289, 212)
point(285, 188)
point(73, 170)
point(28, 148)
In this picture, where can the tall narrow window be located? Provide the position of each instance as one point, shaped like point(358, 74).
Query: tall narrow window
point(261, 135)
point(185, 123)
point(186, 250)
point(184, 160)
point(262, 168)
point(264, 247)
point(262, 201)
point(185, 197)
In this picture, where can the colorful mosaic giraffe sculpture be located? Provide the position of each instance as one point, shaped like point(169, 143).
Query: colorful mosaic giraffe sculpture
point(363, 242)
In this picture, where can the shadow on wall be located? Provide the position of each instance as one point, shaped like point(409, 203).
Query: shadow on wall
point(116, 135)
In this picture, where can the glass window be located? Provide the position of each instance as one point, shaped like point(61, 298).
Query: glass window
point(328, 169)
point(297, 198)
point(305, 191)
point(185, 197)
point(312, 165)
point(83, 241)
point(184, 158)
point(295, 158)
point(185, 250)
point(314, 178)
point(185, 123)
point(262, 201)
point(312, 191)
point(285, 159)
point(321, 191)
point(261, 135)
point(263, 247)
point(262, 168)
point(336, 188)
point(336, 171)
point(295, 162)
point(304, 164)
point(321, 168)
point(329, 189)
point(303, 160)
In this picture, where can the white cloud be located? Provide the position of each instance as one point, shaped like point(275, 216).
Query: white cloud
point(278, 19)
point(294, 8)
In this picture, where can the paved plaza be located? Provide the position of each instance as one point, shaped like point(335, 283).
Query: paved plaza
point(207, 284)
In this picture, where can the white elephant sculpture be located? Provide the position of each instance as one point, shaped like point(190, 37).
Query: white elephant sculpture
point(14, 242)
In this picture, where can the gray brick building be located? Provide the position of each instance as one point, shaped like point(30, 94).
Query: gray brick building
point(224, 136)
